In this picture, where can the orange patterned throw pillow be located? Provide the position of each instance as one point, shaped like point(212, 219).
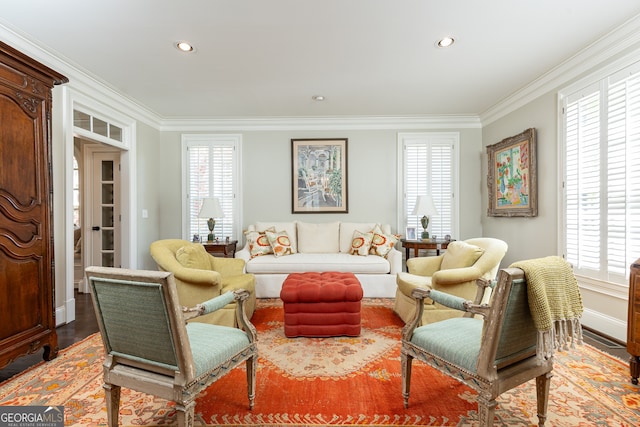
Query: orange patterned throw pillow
point(381, 244)
point(361, 243)
point(280, 243)
point(258, 243)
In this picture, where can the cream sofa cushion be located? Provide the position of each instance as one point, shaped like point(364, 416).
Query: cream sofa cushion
point(289, 227)
point(320, 238)
point(460, 254)
point(299, 263)
point(346, 233)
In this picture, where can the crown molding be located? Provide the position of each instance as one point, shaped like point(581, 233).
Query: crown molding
point(323, 123)
point(626, 37)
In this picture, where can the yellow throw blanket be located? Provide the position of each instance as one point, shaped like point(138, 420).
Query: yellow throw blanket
point(555, 303)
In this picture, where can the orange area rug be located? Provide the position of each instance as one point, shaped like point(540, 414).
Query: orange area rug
point(335, 381)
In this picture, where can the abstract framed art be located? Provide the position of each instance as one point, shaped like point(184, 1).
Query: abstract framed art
point(319, 175)
point(512, 176)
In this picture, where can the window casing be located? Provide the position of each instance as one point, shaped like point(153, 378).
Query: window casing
point(210, 165)
point(429, 166)
point(601, 149)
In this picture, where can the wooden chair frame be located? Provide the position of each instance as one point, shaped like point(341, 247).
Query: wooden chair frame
point(180, 383)
point(489, 379)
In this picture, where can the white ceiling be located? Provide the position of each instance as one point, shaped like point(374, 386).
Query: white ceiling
point(267, 58)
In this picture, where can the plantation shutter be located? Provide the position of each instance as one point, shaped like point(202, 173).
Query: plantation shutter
point(211, 173)
point(428, 169)
point(602, 179)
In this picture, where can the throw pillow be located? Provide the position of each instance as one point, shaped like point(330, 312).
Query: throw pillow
point(258, 243)
point(280, 243)
point(319, 238)
point(460, 255)
point(361, 243)
point(382, 243)
point(193, 255)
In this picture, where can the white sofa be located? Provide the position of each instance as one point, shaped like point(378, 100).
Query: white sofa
point(319, 247)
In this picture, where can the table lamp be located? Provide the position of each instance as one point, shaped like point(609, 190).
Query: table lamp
point(425, 207)
point(211, 209)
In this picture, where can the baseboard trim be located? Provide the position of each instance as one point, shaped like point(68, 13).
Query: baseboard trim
point(606, 325)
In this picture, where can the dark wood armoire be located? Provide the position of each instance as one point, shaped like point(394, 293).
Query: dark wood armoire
point(27, 304)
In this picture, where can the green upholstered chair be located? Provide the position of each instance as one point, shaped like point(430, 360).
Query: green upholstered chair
point(454, 272)
point(492, 348)
point(201, 276)
point(149, 346)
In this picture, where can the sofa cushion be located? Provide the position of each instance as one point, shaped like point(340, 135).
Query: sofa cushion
point(300, 263)
point(258, 242)
point(193, 255)
point(382, 243)
point(361, 243)
point(460, 255)
point(346, 233)
point(321, 238)
point(280, 243)
point(289, 227)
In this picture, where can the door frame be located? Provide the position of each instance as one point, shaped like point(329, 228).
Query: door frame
point(73, 99)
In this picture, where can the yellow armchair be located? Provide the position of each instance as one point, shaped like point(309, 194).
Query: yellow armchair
point(454, 272)
point(200, 276)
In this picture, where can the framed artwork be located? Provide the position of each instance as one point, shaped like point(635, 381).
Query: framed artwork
point(512, 177)
point(319, 175)
point(410, 233)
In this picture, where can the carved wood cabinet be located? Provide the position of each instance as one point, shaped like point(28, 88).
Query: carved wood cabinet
point(633, 324)
point(27, 305)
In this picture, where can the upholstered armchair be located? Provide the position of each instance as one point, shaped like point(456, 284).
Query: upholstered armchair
point(150, 348)
point(200, 276)
point(454, 272)
point(492, 348)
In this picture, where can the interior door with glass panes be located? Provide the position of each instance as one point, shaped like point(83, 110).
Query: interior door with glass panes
point(105, 221)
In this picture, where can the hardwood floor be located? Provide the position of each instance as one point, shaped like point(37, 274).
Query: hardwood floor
point(85, 325)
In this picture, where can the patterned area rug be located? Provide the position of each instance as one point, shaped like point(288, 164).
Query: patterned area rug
point(335, 381)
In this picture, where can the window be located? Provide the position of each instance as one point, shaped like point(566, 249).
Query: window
point(601, 143)
point(211, 170)
point(429, 167)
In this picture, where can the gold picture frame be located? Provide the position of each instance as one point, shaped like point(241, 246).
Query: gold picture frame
point(319, 175)
point(512, 176)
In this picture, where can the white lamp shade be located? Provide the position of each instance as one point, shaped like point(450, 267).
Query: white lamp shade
point(211, 208)
point(424, 206)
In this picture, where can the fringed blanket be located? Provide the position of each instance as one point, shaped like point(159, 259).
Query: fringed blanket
point(555, 303)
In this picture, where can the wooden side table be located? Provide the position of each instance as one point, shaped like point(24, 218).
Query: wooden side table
point(431, 244)
point(222, 248)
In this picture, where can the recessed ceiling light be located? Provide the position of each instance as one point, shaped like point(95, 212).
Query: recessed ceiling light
point(184, 46)
point(318, 98)
point(445, 42)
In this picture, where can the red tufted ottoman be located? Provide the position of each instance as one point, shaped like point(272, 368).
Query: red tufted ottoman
point(321, 304)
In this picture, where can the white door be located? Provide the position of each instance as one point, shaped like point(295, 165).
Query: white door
point(105, 210)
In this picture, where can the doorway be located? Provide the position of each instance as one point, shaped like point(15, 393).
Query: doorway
point(97, 208)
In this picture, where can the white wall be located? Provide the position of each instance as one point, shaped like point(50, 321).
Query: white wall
point(527, 237)
point(372, 178)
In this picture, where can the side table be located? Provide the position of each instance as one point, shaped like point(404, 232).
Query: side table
point(221, 248)
point(430, 244)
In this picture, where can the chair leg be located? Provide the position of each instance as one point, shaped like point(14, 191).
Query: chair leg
point(542, 394)
point(405, 361)
point(252, 364)
point(185, 413)
point(112, 393)
point(486, 409)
